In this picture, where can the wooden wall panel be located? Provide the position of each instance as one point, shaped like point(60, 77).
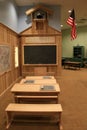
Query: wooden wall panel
point(39, 39)
point(2, 82)
point(1, 34)
point(10, 38)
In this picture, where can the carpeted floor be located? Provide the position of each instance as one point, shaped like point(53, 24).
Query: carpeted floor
point(73, 97)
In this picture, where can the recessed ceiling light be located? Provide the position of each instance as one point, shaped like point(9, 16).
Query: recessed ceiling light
point(61, 25)
point(69, 11)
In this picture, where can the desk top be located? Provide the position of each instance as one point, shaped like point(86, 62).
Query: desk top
point(34, 107)
point(39, 77)
point(34, 88)
point(38, 81)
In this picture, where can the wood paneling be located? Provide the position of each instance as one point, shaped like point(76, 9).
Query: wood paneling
point(2, 82)
point(39, 39)
point(40, 71)
point(9, 37)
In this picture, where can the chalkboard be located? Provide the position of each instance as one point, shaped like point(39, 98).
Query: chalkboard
point(42, 54)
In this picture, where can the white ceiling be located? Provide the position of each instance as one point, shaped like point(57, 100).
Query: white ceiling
point(79, 6)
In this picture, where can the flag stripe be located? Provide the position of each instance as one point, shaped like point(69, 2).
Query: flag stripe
point(73, 32)
point(70, 21)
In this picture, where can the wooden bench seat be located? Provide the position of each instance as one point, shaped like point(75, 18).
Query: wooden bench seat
point(41, 110)
point(36, 97)
point(24, 98)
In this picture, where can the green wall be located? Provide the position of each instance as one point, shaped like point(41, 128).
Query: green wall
point(67, 43)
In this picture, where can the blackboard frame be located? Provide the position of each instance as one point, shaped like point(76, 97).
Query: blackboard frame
point(53, 53)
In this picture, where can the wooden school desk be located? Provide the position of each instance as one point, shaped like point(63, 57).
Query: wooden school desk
point(42, 110)
point(36, 91)
point(39, 77)
point(38, 81)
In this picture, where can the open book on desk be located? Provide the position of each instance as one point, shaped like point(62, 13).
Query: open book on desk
point(47, 87)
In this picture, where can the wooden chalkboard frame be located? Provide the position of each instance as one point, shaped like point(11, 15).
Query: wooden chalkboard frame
point(49, 62)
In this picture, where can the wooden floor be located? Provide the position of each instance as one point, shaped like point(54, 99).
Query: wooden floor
point(73, 97)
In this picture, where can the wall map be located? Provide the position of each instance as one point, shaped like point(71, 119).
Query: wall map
point(4, 58)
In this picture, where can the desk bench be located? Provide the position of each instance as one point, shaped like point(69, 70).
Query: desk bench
point(42, 110)
point(44, 99)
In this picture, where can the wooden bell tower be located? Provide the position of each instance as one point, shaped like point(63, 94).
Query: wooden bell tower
point(39, 16)
point(39, 35)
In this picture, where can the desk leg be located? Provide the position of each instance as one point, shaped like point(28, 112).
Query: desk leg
point(17, 100)
point(60, 126)
point(57, 100)
point(9, 119)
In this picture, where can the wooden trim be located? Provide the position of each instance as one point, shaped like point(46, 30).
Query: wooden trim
point(27, 35)
point(36, 65)
point(43, 34)
point(49, 11)
point(25, 30)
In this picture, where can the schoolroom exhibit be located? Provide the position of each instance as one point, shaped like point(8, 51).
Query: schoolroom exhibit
point(43, 65)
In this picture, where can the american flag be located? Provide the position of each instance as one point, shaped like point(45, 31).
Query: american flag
point(71, 22)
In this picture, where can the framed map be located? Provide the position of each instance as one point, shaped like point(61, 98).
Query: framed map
point(4, 58)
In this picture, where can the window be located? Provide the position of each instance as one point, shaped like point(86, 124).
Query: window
point(16, 57)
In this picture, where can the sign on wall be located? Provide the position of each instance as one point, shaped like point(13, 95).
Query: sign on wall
point(4, 58)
